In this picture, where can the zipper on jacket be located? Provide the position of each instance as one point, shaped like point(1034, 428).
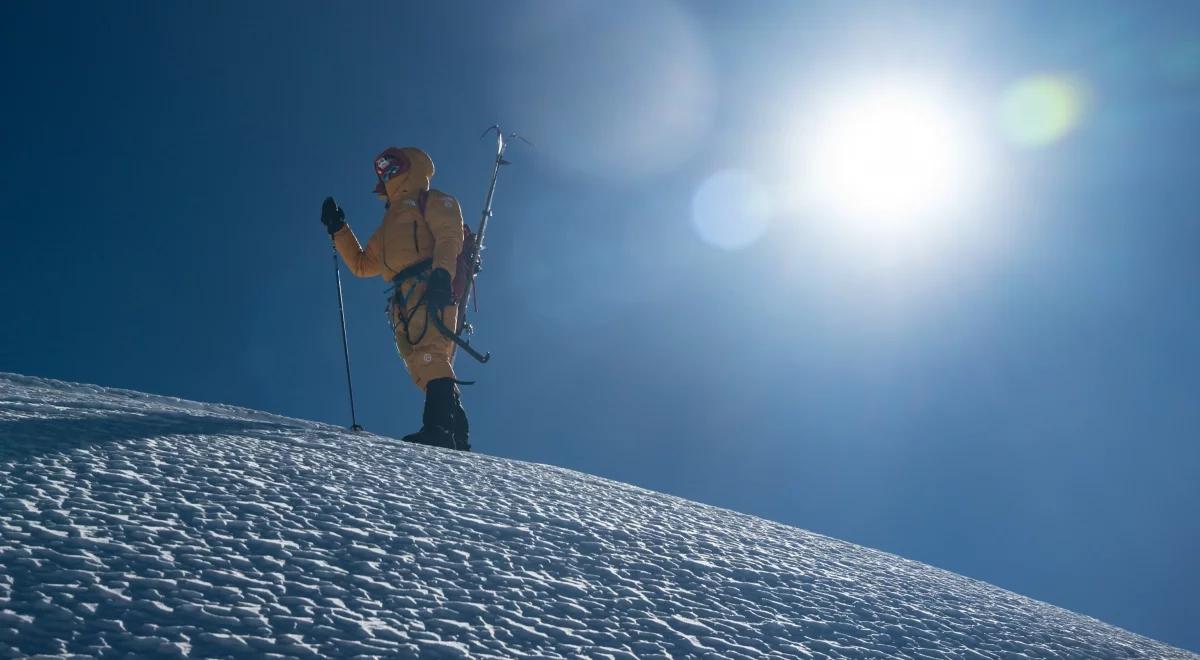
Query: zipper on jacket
point(416, 243)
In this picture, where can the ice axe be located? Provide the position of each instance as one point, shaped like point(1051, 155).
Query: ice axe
point(473, 251)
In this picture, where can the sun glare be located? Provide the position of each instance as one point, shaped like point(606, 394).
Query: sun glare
point(889, 154)
point(1041, 110)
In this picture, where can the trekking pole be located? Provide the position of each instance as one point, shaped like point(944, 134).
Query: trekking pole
point(337, 272)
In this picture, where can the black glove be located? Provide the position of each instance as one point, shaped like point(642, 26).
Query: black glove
point(332, 216)
point(439, 292)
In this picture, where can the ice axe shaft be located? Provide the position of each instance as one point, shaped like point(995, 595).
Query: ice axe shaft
point(475, 250)
point(457, 339)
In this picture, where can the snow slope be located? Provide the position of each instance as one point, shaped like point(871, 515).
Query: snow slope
point(140, 524)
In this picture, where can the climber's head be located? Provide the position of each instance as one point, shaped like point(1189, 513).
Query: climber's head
point(402, 172)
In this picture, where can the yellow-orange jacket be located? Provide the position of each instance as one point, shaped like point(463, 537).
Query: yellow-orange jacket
point(407, 236)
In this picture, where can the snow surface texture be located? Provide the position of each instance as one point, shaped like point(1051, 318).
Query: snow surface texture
point(145, 525)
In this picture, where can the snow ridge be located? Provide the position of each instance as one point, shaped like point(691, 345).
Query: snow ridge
point(146, 525)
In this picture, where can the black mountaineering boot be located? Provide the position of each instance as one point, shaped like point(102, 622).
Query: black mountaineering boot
point(462, 429)
point(437, 422)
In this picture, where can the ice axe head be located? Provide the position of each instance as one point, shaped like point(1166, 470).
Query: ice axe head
point(402, 172)
point(502, 141)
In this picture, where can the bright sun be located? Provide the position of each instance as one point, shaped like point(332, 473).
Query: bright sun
point(889, 155)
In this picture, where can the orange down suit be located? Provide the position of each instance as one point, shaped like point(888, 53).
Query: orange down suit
point(404, 238)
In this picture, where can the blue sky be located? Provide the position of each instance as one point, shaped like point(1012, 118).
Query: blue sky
point(1004, 386)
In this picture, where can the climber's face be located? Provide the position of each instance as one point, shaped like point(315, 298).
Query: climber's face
point(390, 164)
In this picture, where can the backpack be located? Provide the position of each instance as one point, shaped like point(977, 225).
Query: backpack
point(462, 266)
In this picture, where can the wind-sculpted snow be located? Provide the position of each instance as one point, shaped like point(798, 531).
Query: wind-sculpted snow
point(135, 524)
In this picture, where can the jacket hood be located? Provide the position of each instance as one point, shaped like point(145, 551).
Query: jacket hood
point(409, 184)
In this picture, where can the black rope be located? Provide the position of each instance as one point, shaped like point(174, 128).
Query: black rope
point(419, 274)
point(401, 312)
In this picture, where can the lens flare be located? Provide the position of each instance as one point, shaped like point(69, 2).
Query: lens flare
point(1041, 110)
point(731, 209)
